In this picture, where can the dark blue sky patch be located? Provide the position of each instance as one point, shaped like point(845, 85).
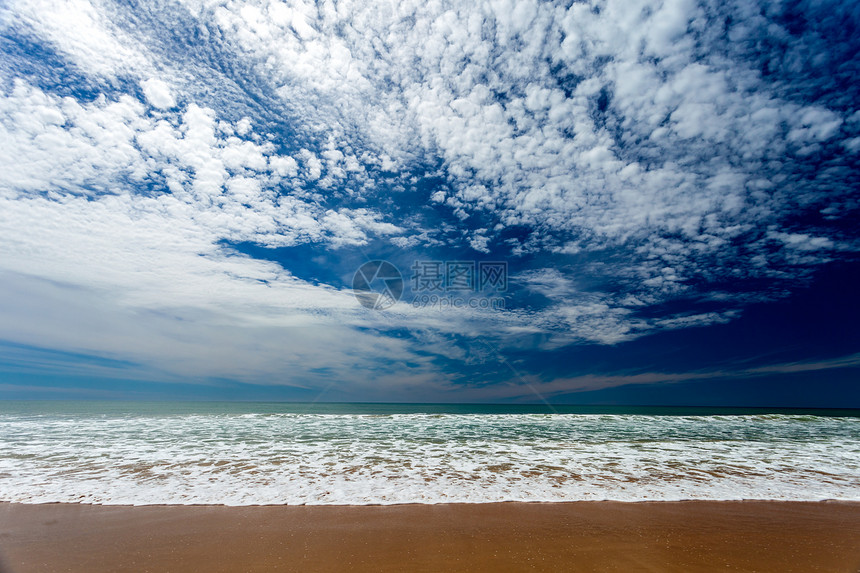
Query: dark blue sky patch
point(817, 324)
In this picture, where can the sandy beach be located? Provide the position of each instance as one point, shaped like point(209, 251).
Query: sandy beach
point(579, 536)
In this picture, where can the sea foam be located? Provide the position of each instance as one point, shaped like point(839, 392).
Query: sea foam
point(249, 459)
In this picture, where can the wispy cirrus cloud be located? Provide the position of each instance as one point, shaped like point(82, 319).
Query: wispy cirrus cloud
point(549, 389)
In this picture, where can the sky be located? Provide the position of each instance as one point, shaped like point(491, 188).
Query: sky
point(608, 202)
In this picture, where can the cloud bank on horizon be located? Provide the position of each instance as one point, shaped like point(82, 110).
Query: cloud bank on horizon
point(187, 187)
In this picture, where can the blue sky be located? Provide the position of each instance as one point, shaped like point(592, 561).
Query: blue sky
point(187, 189)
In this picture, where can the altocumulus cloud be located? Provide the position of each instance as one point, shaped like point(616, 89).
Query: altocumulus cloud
point(626, 157)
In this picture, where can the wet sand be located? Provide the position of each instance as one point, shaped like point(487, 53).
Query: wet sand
point(580, 536)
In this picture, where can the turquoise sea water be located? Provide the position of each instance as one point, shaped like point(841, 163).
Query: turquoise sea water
point(276, 453)
point(100, 408)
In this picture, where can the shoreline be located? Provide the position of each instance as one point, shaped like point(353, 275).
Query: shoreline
point(834, 501)
point(505, 536)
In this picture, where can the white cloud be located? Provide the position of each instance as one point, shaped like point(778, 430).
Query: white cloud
point(158, 94)
point(83, 31)
point(549, 282)
point(479, 241)
point(100, 268)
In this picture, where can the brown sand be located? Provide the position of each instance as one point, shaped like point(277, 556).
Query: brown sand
point(581, 536)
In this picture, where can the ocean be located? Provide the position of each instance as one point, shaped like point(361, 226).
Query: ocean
point(359, 454)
